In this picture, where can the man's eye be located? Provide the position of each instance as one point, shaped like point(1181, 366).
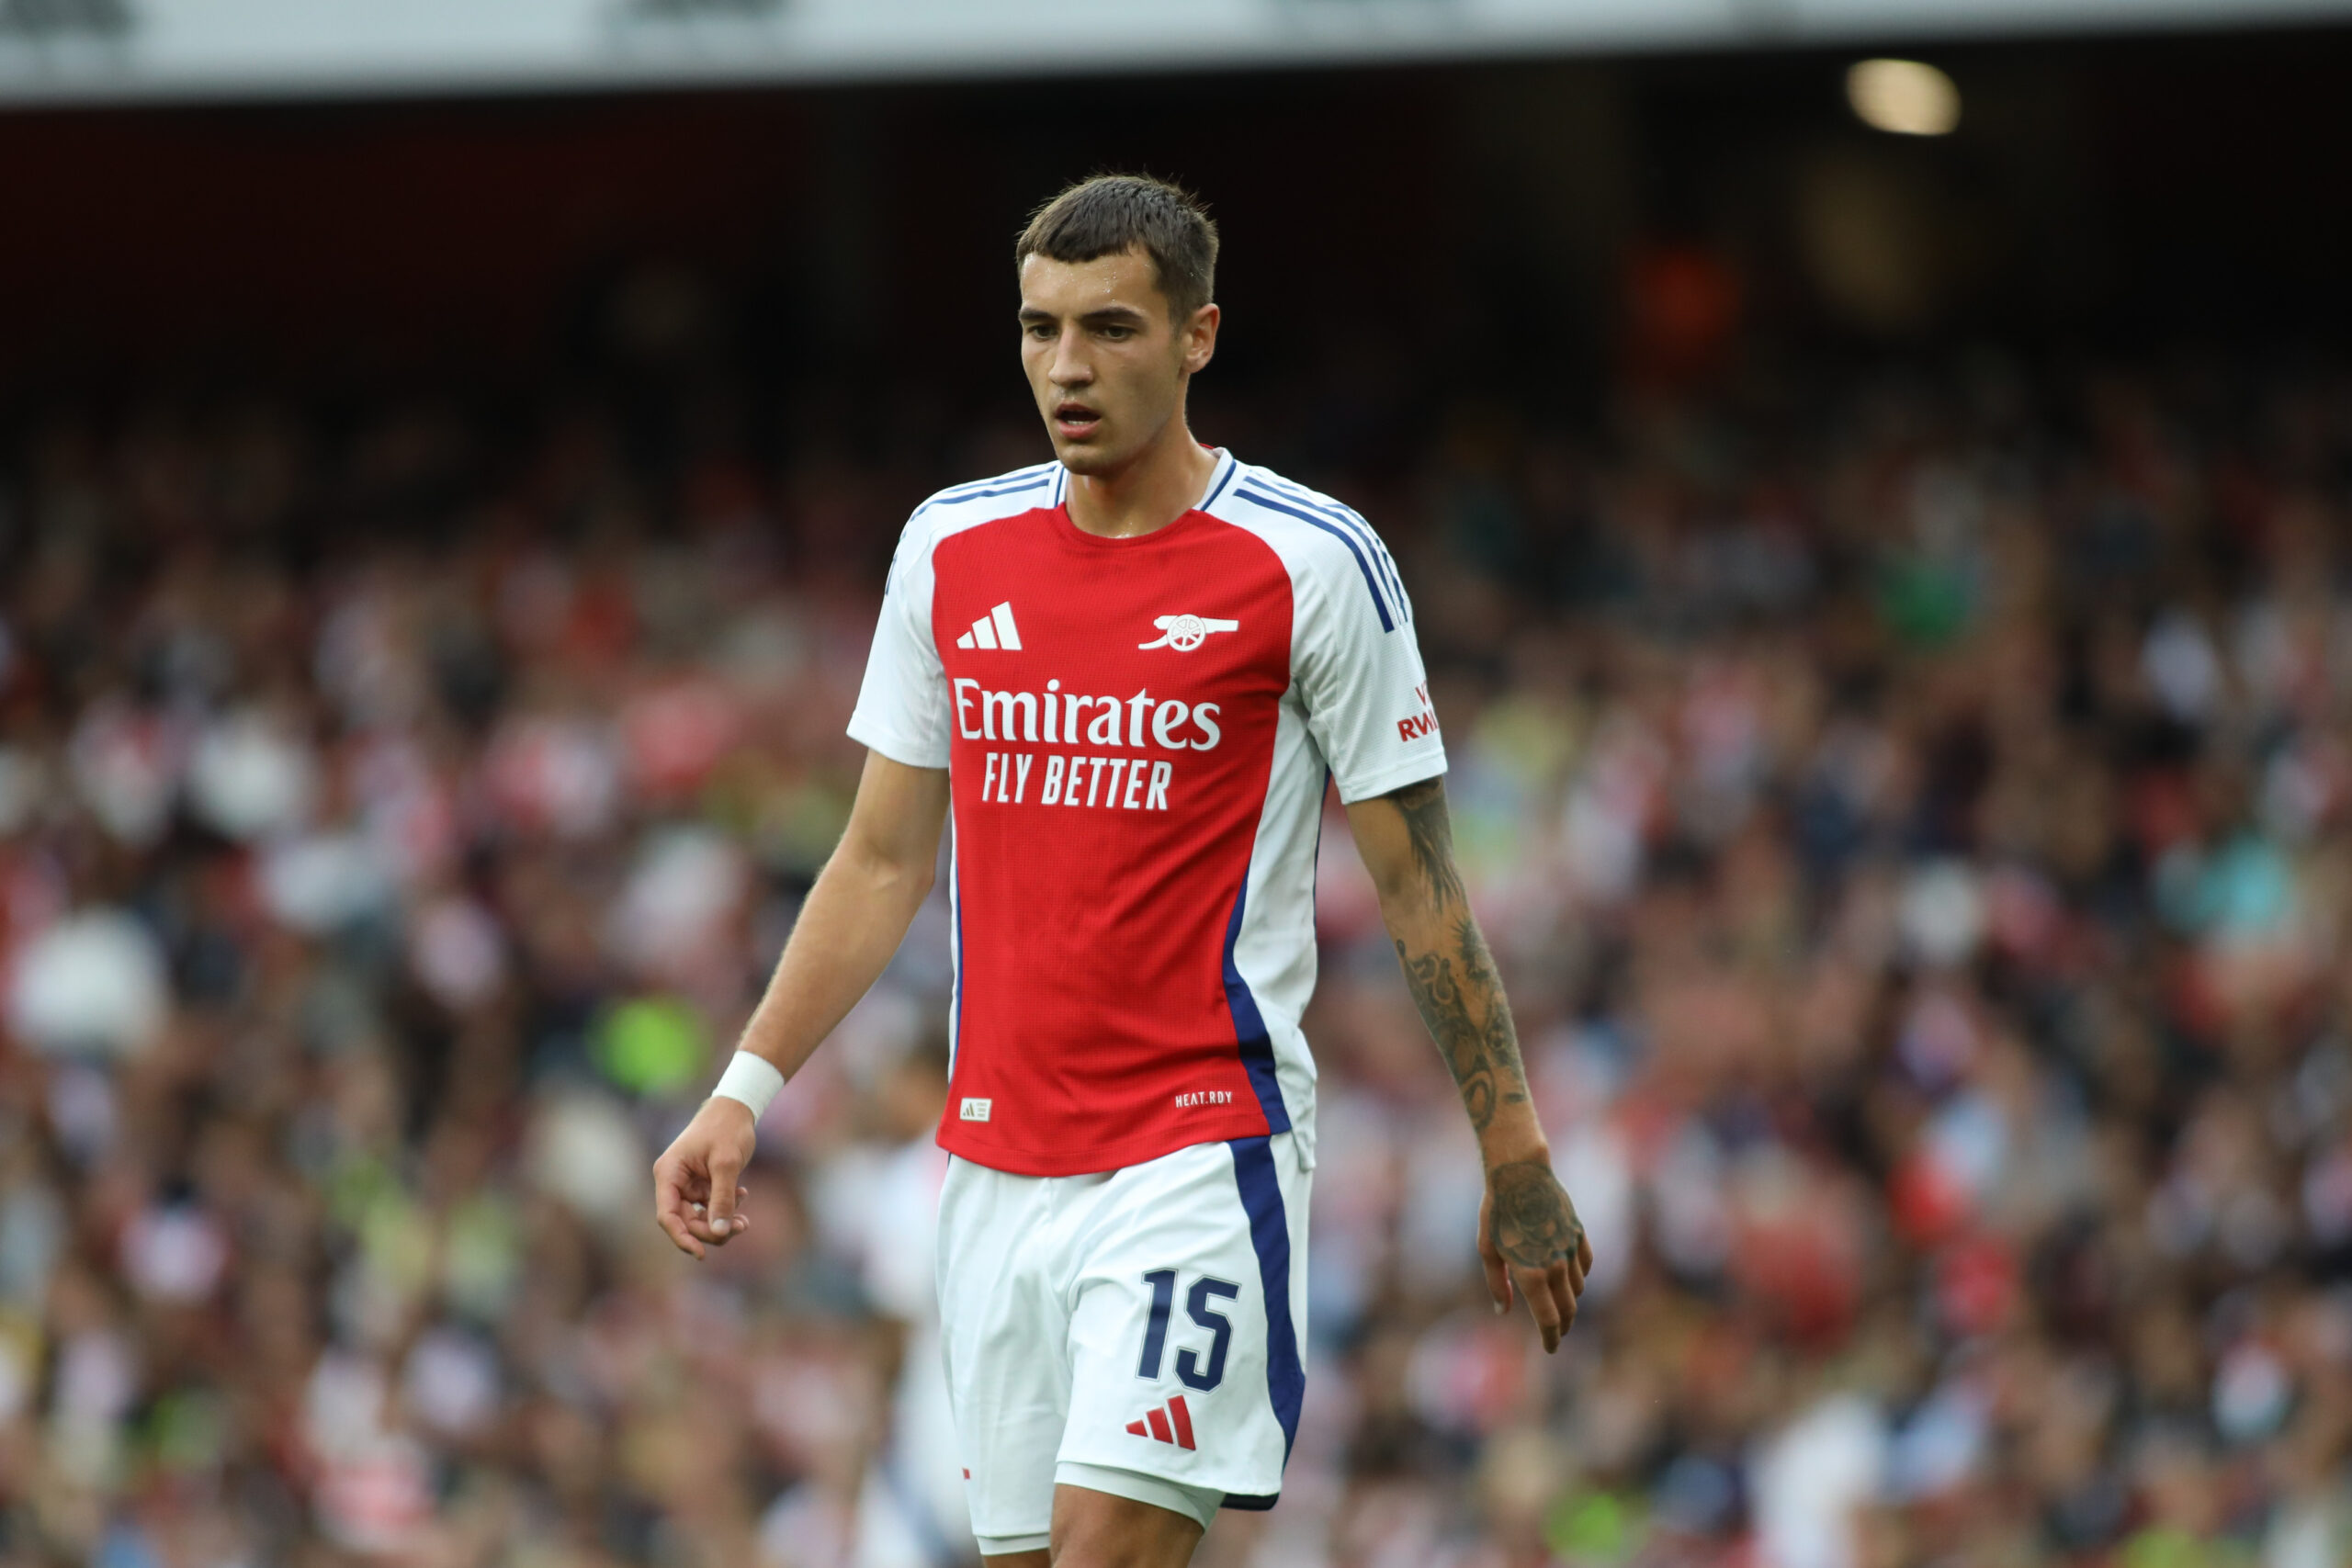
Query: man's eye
point(1118, 334)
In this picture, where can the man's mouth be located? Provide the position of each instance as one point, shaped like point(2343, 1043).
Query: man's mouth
point(1075, 420)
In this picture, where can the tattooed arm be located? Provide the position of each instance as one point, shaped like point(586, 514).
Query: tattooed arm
point(1528, 1234)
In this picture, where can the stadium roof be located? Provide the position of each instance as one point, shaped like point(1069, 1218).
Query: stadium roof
point(103, 50)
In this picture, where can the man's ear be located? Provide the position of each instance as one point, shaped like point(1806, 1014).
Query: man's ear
point(1200, 339)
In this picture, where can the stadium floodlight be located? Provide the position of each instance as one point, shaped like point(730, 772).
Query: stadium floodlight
point(1906, 97)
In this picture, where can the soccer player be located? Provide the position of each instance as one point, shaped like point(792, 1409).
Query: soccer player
point(1125, 674)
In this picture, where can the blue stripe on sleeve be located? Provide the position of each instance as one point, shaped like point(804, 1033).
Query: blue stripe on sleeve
point(1037, 483)
point(1353, 521)
point(973, 487)
point(1379, 601)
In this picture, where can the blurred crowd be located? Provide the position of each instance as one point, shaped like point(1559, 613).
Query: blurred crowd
point(1915, 821)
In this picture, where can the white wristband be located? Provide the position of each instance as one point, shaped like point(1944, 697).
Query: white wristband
point(750, 1080)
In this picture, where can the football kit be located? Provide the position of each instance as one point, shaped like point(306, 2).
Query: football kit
point(1137, 733)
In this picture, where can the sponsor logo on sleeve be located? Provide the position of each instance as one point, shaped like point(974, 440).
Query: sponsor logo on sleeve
point(1422, 723)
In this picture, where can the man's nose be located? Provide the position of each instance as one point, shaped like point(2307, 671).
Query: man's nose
point(1069, 367)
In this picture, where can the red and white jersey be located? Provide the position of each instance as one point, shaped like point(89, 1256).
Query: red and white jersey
point(1137, 732)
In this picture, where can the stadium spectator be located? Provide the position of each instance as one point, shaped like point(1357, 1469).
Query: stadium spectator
point(1918, 837)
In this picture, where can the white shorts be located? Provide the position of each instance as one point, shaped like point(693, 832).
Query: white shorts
point(1134, 1332)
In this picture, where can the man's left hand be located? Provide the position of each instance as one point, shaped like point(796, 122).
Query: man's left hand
point(1529, 1236)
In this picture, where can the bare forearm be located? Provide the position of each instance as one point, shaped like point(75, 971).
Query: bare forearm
point(852, 921)
point(1453, 980)
point(854, 918)
point(857, 914)
point(1529, 1235)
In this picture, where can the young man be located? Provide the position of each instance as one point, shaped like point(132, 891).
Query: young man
point(1127, 673)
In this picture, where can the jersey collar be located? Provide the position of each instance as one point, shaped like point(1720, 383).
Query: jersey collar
point(1220, 480)
point(1219, 476)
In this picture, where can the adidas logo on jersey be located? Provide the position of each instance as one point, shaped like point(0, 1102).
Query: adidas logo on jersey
point(1185, 633)
point(994, 629)
point(1170, 1423)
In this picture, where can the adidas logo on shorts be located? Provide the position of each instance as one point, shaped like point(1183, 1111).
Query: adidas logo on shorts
point(1170, 1423)
point(994, 629)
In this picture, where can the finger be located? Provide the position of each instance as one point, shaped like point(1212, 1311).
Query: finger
point(669, 1209)
point(1584, 1249)
point(689, 1183)
point(1490, 1259)
point(670, 1203)
point(681, 1238)
point(1576, 1275)
point(1497, 1276)
point(1564, 1294)
point(742, 1220)
point(1533, 1286)
point(724, 1195)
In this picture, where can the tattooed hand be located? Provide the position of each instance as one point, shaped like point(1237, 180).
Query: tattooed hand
point(1528, 1234)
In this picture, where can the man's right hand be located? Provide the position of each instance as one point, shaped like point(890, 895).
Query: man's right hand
point(695, 1192)
point(850, 924)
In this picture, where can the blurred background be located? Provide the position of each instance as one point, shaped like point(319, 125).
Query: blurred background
point(1880, 539)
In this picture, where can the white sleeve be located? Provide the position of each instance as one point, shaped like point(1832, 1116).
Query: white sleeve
point(1359, 675)
point(902, 706)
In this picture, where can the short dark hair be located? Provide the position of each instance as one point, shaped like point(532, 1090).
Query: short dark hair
point(1108, 213)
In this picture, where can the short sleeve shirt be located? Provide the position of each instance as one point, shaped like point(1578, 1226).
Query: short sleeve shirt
point(1138, 733)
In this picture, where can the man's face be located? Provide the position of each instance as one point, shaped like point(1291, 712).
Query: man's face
point(1105, 362)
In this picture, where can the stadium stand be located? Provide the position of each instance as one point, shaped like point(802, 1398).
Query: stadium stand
point(1914, 827)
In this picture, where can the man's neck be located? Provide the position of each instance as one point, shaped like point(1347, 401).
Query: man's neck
point(1160, 485)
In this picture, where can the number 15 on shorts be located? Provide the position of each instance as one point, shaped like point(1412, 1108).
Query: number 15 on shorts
point(1200, 1306)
